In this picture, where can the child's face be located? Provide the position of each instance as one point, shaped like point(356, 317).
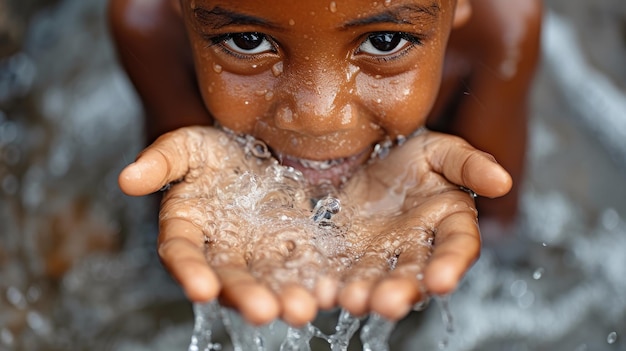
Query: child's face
point(319, 80)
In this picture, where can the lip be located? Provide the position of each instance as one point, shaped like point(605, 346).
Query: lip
point(335, 171)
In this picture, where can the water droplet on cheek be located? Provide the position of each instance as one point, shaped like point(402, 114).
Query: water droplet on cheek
point(277, 69)
point(217, 68)
point(269, 95)
point(292, 22)
point(333, 7)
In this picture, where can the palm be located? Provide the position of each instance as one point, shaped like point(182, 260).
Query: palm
point(272, 258)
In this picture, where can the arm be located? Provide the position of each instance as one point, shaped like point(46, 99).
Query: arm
point(153, 48)
point(501, 43)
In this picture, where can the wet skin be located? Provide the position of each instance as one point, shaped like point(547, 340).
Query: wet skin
point(409, 195)
point(320, 82)
point(476, 100)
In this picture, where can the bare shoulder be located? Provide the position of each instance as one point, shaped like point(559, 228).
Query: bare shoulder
point(500, 28)
point(139, 17)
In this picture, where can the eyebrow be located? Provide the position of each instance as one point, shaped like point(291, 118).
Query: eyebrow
point(405, 14)
point(218, 18)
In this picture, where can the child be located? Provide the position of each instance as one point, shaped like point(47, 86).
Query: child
point(321, 83)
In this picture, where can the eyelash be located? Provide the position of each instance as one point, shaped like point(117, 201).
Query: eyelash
point(414, 40)
point(222, 38)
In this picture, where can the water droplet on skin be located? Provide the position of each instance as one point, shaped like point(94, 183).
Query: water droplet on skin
point(611, 338)
point(378, 76)
point(246, 102)
point(255, 66)
point(400, 139)
point(387, 3)
point(381, 150)
point(538, 273)
point(292, 22)
point(269, 95)
point(306, 58)
point(379, 101)
point(277, 69)
point(333, 7)
point(217, 68)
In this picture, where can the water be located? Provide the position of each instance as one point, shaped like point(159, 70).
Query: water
point(78, 269)
point(374, 333)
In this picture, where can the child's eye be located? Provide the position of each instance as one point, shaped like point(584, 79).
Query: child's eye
point(386, 43)
point(249, 43)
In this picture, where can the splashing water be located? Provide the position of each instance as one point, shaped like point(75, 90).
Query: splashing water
point(269, 205)
point(374, 333)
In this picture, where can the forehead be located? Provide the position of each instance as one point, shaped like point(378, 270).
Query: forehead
point(319, 13)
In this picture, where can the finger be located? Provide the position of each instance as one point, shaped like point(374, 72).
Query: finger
point(299, 306)
point(456, 247)
point(181, 251)
point(326, 289)
point(254, 300)
point(361, 278)
point(240, 288)
point(396, 294)
point(464, 165)
point(272, 260)
point(168, 159)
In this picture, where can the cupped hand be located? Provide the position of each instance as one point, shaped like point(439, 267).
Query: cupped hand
point(418, 229)
point(225, 234)
point(414, 229)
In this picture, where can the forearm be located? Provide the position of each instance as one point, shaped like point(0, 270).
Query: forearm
point(157, 58)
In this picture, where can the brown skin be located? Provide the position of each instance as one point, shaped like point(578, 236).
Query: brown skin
point(387, 225)
point(324, 104)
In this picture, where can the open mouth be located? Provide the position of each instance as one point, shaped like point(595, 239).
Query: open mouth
point(336, 171)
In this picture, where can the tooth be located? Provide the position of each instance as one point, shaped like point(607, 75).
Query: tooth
point(319, 165)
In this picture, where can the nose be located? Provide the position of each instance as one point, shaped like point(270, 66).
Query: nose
point(316, 102)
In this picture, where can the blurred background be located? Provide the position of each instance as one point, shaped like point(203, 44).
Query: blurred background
point(78, 267)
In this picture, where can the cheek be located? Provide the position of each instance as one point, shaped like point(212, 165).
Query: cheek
point(400, 104)
point(236, 102)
